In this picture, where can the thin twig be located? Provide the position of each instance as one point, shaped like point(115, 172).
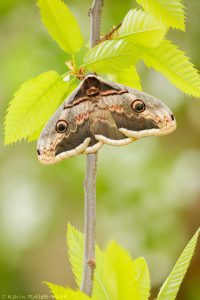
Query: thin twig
point(95, 21)
point(109, 35)
point(90, 223)
point(90, 177)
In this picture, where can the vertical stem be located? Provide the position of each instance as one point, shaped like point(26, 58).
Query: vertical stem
point(90, 223)
point(95, 21)
point(90, 177)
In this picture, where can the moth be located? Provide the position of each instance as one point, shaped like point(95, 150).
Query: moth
point(101, 112)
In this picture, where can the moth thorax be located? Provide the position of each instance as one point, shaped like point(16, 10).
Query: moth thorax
point(92, 91)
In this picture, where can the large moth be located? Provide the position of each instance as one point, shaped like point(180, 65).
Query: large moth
point(101, 112)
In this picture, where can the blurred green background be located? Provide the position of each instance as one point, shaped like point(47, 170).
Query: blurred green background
point(148, 193)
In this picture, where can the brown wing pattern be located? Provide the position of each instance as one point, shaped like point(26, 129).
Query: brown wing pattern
point(91, 118)
point(78, 129)
point(100, 112)
point(124, 116)
point(103, 126)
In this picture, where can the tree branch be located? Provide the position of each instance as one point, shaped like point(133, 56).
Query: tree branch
point(90, 177)
point(95, 21)
point(90, 223)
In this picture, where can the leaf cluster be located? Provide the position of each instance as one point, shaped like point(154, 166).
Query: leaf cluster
point(141, 36)
point(117, 276)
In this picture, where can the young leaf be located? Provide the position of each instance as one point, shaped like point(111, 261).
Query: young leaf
point(142, 277)
point(170, 12)
point(141, 29)
point(61, 24)
point(75, 244)
point(32, 106)
point(75, 241)
point(171, 286)
point(60, 292)
point(71, 85)
point(119, 274)
point(111, 57)
point(128, 77)
point(174, 64)
point(116, 275)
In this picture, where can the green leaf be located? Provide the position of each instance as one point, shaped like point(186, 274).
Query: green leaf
point(171, 286)
point(140, 28)
point(142, 277)
point(70, 86)
point(116, 275)
point(32, 106)
point(75, 244)
point(75, 241)
point(60, 292)
point(61, 24)
point(128, 77)
point(175, 65)
point(170, 12)
point(119, 274)
point(111, 57)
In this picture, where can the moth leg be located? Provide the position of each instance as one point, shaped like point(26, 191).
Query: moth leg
point(111, 142)
point(94, 148)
